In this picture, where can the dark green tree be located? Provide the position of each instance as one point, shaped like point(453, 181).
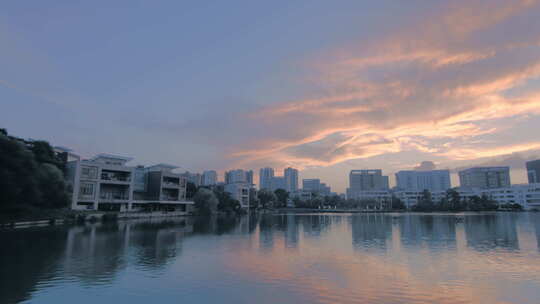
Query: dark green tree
point(266, 198)
point(281, 197)
point(205, 201)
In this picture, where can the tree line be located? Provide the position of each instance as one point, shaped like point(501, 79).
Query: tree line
point(31, 176)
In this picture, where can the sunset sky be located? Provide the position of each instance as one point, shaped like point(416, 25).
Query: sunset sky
point(323, 86)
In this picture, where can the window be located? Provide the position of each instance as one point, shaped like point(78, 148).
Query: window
point(89, 172)
point(86, 190)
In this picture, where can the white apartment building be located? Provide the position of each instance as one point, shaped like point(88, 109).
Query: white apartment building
point(105, 183)
point(378, 195)
point(433, 180)
point(526, 195)
point(239, 192)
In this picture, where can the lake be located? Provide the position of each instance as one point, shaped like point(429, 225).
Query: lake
point(291, 258)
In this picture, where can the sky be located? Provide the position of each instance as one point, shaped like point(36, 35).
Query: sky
point(322, 86)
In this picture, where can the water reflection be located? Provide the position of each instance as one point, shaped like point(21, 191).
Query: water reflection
point(431, 231)
point(394, 258)
point(492, 231)
point(371, 231)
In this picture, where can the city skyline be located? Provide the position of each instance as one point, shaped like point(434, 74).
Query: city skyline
point(369, 85)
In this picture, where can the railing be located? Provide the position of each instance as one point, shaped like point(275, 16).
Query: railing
point(114, 196)
point(115, 178)
point(168, 198)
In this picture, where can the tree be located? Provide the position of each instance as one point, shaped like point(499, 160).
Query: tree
point(281, 196)
point(266, 198)
point(30, 175)
point(454, 200)
point(398, 204)
point(205, 201)
point(425, 203)
point(226, 202)
point(191, 189)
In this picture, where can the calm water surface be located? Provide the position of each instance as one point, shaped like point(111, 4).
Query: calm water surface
point(312, 258)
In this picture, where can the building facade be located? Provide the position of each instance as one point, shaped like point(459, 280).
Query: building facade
point(105, 183)
point(209, 178)
point(265, 178)
point(240, 192)
point(311, 184)
point(291, 179)
point(485, 177)
point(533, 171)
point(433, 180)
point(364, 180)
point(278, 182)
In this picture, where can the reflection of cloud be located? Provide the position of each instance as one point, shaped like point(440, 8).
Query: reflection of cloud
point(427, 88)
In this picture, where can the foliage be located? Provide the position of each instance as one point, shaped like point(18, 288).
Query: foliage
point(398, 204)
point(266, 198)
point(453, 202)
point(191, 189)
point(281, 197)
point(30, 175)
point(226, 202)
point(205, 201)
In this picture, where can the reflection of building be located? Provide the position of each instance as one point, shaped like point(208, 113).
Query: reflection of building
point(485, 177)
point(371, 231)
point(533, 171)
point(489, 231)
point(433, 231)
point(433, 180)
point(106, 183)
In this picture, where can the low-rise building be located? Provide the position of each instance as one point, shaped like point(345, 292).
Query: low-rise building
point(106, 183)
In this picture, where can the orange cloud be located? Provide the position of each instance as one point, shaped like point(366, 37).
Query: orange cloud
point(428, 88)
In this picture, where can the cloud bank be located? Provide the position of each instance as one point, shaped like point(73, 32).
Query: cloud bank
point(446, 85)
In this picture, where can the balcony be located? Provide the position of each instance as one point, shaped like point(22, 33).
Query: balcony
point(115, 176)
point(167, 184)
point(113, 196)
point(169, 198)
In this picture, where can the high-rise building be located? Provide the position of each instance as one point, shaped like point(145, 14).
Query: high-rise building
point(311, 184)
point(278, 182)
point(249, 177)
point(363, 180)
point(533, 171)
point(209, 178)
point(433, 180)
point(265, 178)
point(238, 176)
point(485, 177)
point(291, 179)
point(324, 190)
